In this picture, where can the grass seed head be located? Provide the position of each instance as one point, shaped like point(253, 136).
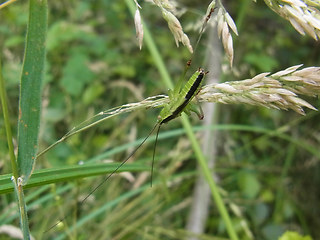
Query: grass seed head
point(279, 90)
point(304, 16)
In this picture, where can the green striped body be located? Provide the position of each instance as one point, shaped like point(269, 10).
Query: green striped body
point(179, 103)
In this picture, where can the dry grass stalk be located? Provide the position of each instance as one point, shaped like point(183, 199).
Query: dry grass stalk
point(304, 16)
point(279, 90)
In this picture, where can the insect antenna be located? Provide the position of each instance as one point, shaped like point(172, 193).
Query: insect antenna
point(113, 172)
point(154, 152)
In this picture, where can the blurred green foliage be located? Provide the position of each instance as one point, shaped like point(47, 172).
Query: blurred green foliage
point(94, 63)
point(294, 236)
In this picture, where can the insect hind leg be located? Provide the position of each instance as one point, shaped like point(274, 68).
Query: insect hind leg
point(198, 111)
point(196, 108)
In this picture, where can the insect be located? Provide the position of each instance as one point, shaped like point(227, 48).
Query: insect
point(179, 102)
point(181, 98)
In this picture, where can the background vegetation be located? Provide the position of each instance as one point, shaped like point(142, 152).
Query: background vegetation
point(93, 63)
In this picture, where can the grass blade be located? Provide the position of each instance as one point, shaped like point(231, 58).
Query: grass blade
point(30, 88)
point(66, 174)
point(29, 103)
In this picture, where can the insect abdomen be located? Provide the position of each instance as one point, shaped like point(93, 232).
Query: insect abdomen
point(194, 84)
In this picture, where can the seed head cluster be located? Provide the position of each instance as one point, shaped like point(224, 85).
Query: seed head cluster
point(304, 16)
point(279, 90)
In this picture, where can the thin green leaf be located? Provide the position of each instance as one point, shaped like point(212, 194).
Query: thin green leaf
point(30, 88)
point(54, 175)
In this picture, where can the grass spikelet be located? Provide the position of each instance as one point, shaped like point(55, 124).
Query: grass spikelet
point(225, 22)
point(139, 27)
point(176, 29)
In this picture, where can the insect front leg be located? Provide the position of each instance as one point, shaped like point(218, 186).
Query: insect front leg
point(171, 94)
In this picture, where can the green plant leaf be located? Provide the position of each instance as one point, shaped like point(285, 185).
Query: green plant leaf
point(54, 175)
point(30, 88)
